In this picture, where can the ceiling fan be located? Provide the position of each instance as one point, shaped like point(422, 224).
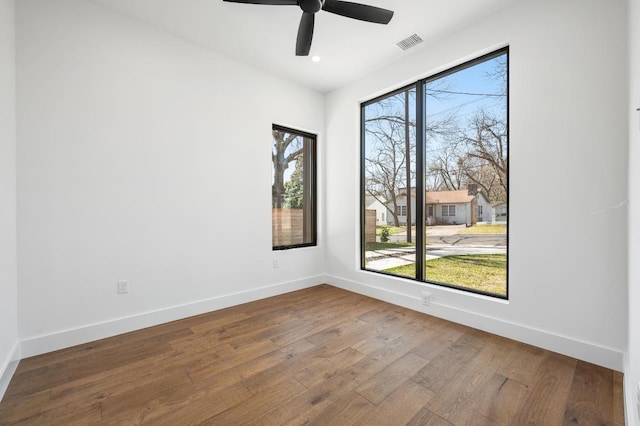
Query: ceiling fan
point(309, 8)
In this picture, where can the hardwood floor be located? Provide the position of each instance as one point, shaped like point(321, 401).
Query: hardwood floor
point(320, 356)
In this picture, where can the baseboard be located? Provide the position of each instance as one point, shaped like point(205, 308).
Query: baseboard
point(589, 352)
point(603, 356)
point(90, 332)
point(8, 368)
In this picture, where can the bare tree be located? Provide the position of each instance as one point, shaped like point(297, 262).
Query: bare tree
point(390, 129)
point(473, 151)
point(475, 154)
point(446, 171)
point(485, 156)
point(385, 163)
point(286, 149)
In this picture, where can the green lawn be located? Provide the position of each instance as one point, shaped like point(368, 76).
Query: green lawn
point(482, 272)
point(386, 246)
point(485, 229)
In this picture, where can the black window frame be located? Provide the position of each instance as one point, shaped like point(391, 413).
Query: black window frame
point(310, 213)
point(420, 174)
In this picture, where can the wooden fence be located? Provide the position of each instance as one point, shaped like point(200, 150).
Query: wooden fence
point(287, 227)
point(370, 226)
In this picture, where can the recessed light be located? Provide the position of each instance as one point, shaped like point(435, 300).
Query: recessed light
point(315, 58)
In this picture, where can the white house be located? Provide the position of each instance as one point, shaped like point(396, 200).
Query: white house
point(446, 208)
point(401, 209)
point(451, 208)
point(499, 212)
point(372, 203)
point(484, 208)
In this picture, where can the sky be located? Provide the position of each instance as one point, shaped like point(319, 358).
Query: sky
point(459, 94)
point(473, 86)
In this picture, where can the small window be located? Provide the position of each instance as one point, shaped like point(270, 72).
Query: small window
point(401, 210)
point(448, 210)
point(293, 189)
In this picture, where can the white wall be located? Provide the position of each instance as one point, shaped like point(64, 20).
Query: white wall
point(144, 158)
point(8, 280)
point(632, 367)
point(567, 273)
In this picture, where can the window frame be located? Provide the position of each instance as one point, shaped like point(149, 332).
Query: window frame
point(420, 207)
point(310, 217)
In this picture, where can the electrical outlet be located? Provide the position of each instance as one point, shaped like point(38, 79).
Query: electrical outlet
point(426, 298)
point(276, 265)
point(123, 287)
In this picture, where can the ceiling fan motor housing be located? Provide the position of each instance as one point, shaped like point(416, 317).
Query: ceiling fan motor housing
point(311, 6)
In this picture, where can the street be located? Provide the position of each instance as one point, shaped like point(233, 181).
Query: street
point(440, 241)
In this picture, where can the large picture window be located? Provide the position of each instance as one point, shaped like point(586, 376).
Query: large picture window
point(439, 149)
point(293, 188)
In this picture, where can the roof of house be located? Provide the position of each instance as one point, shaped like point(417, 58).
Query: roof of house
point(449, 197)
point(445, 197)
point(369, 200)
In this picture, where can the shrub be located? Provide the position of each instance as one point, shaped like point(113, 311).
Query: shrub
point(384, 235)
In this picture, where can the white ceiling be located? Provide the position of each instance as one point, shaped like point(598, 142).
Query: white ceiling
point(265, 36)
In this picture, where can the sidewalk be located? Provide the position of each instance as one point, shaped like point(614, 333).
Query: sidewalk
point(432, 231)
point(390, 258)
point(384, 259)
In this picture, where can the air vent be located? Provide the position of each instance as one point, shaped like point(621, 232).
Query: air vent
point(409, 42)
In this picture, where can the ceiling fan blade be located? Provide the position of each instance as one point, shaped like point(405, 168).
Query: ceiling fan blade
point(359, 11)
point(269, 2)
point(305, 34)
